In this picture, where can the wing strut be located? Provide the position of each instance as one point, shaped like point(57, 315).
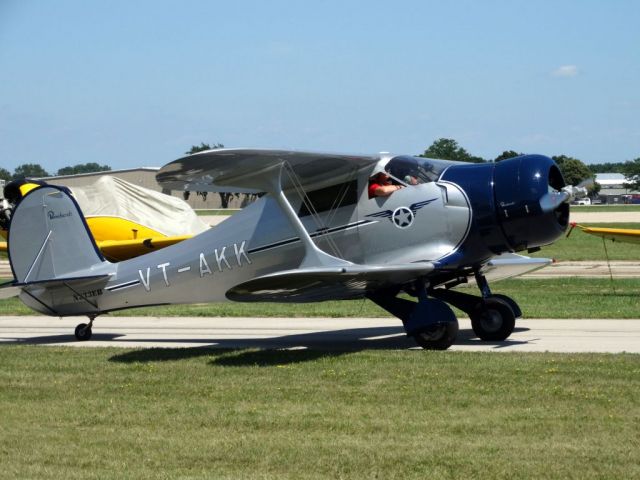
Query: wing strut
point(271, 178)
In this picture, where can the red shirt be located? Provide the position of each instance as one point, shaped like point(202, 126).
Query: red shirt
point(374, 186)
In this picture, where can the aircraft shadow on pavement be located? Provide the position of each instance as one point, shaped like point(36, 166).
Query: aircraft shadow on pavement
point(263, 351)
point(295, 348)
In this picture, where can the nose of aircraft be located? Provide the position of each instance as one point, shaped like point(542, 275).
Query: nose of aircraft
point(517, 204)
point(530, 204)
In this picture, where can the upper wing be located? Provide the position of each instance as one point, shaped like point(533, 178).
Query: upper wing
point(614, 234)
point(241, 170)
point(119, 250)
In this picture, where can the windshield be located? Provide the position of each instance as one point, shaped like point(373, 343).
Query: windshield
point(416, 170)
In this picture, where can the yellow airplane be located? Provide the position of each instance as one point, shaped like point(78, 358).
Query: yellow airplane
point(627, 235)
point(118, 238)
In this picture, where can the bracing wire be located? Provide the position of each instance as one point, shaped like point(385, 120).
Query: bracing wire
point(340, 198)
point(297, 185)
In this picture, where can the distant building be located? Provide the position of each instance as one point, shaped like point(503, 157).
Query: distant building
point(145, 177)
point(612, 188)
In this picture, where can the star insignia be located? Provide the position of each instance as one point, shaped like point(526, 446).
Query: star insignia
point(410, 211)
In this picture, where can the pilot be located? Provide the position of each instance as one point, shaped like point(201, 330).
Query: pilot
point(380, 185)
point(411, 180)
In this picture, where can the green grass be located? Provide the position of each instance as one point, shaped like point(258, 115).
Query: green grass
point(197, 413)
point(582, 246)
point(538, 298)
point(605, 208)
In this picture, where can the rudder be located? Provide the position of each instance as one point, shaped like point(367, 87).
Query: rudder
point(49, 238)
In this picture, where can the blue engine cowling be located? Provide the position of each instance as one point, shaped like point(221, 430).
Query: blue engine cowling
point(522, 189)
point(516, 205)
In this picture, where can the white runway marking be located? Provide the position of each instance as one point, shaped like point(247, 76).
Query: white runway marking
point(537, 335)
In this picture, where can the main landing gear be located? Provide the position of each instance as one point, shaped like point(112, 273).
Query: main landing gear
point(83, 330)
point(430, 321)
point(433, 324)
point(492, 319)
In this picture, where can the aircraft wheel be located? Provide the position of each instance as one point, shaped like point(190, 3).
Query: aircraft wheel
point(437, 337)
point(493, 320)
point(83, 332)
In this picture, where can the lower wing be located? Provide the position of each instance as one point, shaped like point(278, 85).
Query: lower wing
point(355, 281)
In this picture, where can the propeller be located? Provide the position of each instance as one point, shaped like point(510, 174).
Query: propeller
point(555, 198)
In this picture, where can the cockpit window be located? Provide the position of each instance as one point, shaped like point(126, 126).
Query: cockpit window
point(416, 170)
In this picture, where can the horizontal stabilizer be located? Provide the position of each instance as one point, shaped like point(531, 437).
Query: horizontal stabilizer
point(318, 284)
point(70, 281)
point(8, 290)
point(45, 292)
point(12, 289)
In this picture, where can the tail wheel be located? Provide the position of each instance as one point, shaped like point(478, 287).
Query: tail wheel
point(493, 320)
point(83, 332)
point(437, 337)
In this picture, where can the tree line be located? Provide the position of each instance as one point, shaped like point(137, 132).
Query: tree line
point(573, 169)
point(35, 170)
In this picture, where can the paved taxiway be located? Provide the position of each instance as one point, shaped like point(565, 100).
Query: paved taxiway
point(590, 268)
point(539, 335)
point(583, 216)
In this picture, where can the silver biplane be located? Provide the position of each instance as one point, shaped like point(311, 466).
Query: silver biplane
point(315, 235)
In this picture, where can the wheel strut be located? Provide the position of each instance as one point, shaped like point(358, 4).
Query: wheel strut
point(483, 285)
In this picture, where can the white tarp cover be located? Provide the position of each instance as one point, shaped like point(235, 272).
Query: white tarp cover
point(113, 197)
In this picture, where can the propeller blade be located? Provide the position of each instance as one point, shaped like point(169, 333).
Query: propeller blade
point(553, 200)
point(586, 183)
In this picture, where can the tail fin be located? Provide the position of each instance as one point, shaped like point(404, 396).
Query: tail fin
point(49, 238)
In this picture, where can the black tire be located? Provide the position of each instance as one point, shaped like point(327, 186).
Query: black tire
point(437, 337)
point(493, 320)
point(512, 303)
point(83, 332)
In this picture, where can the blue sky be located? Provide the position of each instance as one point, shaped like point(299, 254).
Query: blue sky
point(136, 83)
